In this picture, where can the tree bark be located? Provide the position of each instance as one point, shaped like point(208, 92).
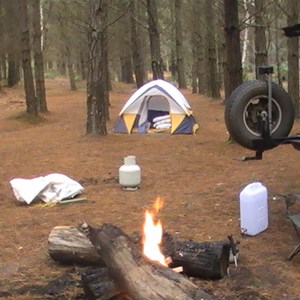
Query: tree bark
point(199, 46)
point(2, 47)
point(83, 65)
point(194, 70)
point(245, 43)
point(145, 280)
point(277, 51)
point(233, 69)
point(126, 69)
point(179, 45)
point(38, 56)
point(31, 103)
point(157, 62)
point(212, 73)
point(293, 57)
point(70, 68)
point(12, 30)
point(261, 57)
point(138, 64)
point(97, 100)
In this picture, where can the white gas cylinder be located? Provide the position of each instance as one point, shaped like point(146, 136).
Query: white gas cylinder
point(254, 209)
point(130, 174)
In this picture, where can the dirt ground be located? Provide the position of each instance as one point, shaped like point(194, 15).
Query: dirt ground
point(197, 175)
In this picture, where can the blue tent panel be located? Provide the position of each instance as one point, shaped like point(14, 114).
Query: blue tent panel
point(186, 126)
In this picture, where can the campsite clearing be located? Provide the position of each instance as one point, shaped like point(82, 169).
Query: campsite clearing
point(196, 175)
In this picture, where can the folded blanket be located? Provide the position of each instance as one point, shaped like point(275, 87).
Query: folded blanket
point(162, 122)
point(163, 126)
point(157, 119)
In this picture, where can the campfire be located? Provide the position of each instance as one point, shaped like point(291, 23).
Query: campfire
point(153, 235)
point(143, 268)
point(152, 238)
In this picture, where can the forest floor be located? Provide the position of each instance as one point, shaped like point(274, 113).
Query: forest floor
point(197, 175)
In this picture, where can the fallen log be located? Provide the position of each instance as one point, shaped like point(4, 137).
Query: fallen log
point(142, 279)
point(206, 260)
point(70, 245)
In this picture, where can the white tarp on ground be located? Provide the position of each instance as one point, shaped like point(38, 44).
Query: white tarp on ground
point(51, 188)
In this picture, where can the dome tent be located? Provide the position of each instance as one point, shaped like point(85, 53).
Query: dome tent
point(156, 102)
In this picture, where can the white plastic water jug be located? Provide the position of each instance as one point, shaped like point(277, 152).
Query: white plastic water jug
point(254, 209)
point(130, 174)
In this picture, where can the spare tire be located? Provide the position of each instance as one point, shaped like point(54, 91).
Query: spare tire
point(243, 113)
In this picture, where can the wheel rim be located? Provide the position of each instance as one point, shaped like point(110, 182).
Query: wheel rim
point(252, 115)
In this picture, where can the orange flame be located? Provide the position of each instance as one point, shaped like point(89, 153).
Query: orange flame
point(153, 234)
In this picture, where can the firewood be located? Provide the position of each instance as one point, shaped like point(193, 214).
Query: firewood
point(97, 284)
point(70, 245)
point(142, 279)
point(207, 260)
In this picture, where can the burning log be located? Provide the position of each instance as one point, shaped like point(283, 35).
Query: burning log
point(141, 278)
point(70, 245)
point(208, 260)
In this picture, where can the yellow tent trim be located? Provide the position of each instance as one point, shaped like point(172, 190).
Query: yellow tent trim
point(189, 112)
point(176, 121)
point(195, 128)
point(129, 120)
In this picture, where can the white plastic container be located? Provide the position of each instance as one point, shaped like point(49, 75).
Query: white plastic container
point(130, 174)
point(254, 209)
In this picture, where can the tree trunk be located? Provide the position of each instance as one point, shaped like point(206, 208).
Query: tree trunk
point(277, 52)
point(70, 68)
point(261, 57)
point(213, 87)
point(194, 70)
point(2, 47)
point(61, 64)
point(3, 66)
point(179, 45)
point(12, 30)
point(201, 47)
point(145, 280)
point(126, 69)
point(104, 62)
point(97, 77)
point(293, 57)
point(138, 64)
point(233, 69)
point(157, 62)
point(246, 36)
point(38, 56)
point(82, 65)
point(31, 103)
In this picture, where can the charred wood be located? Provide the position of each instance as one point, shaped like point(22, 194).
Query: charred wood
point(207, 260)
point(98, 285)
point(142, 279)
